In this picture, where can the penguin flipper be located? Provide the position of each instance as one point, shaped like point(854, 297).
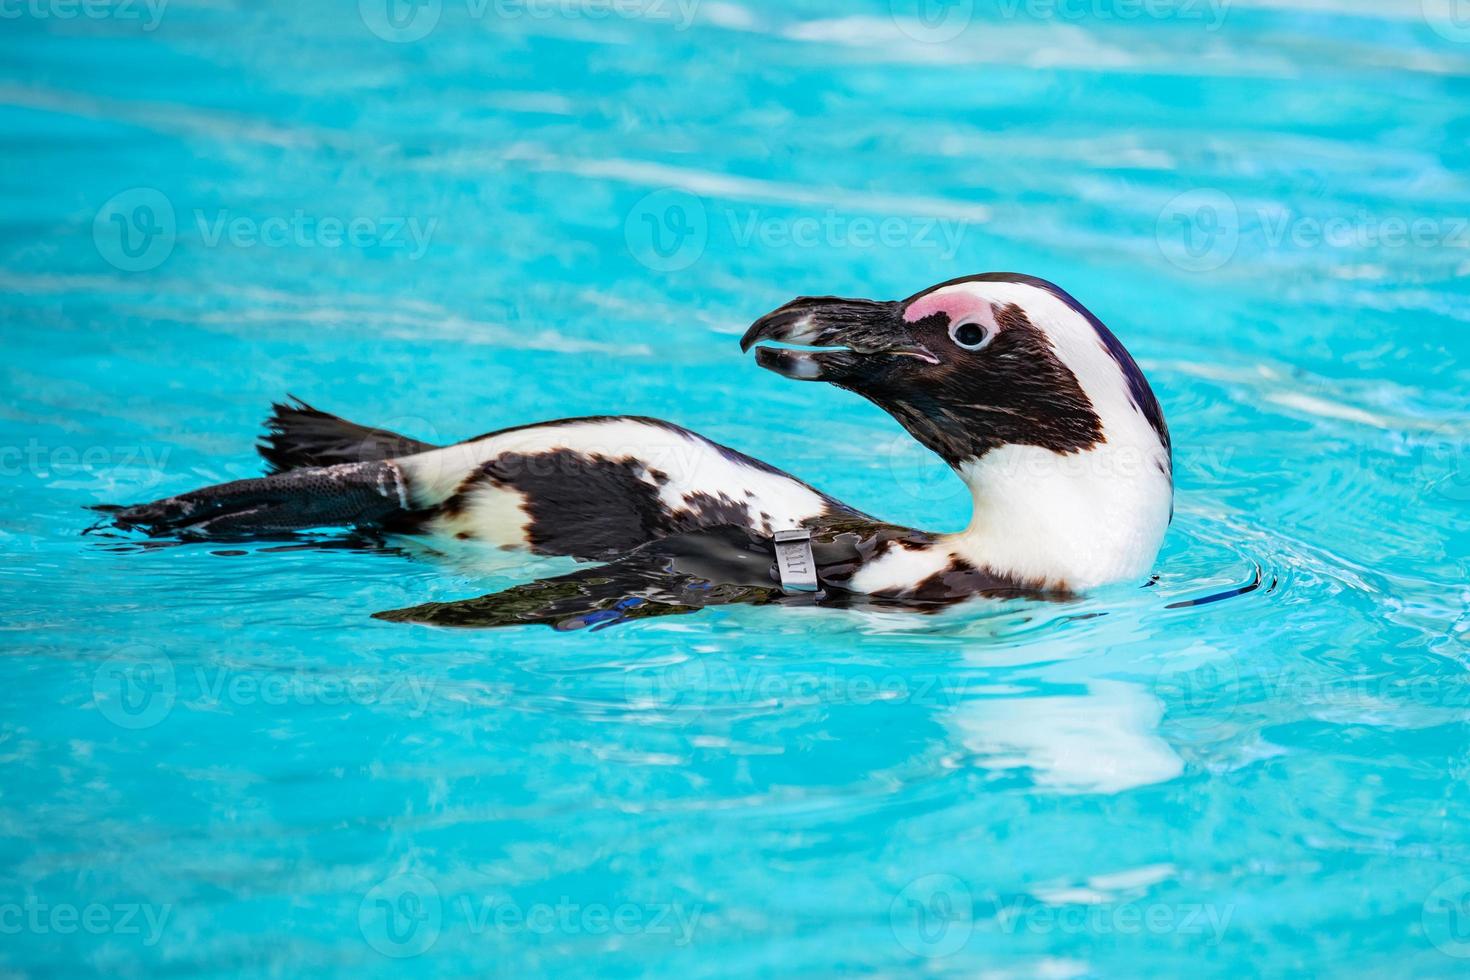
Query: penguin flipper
point(345, 495)
point(299, 436)
point(674, 576)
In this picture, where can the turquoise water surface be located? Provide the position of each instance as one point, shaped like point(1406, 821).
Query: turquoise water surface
point(456, 215)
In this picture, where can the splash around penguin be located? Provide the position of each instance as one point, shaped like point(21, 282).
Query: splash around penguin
point(1033, 403)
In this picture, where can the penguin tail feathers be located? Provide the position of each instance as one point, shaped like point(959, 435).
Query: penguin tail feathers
point(299, 436)
point(344, 495)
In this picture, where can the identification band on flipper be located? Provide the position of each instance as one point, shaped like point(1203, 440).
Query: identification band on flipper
point(794, 561)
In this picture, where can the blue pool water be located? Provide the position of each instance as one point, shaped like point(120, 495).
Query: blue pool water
point(456, 216)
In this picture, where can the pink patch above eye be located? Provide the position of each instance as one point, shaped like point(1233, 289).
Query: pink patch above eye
point(960, 306)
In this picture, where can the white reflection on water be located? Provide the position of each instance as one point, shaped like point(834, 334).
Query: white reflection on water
point(1104, 741)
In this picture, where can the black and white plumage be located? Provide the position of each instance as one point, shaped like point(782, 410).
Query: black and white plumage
point(1031, 400)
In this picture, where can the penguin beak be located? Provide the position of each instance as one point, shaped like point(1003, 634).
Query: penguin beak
point(855, 336)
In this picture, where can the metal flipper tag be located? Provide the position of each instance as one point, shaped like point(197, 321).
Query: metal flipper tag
point(794, 561)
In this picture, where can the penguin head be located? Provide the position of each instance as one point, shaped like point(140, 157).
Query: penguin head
point(974, 365)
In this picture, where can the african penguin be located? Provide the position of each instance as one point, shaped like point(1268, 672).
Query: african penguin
point(1024, 393)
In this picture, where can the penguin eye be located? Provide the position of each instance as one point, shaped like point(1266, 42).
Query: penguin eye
point(970, 336)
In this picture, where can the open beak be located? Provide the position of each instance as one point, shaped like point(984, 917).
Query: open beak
point(849, 334)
